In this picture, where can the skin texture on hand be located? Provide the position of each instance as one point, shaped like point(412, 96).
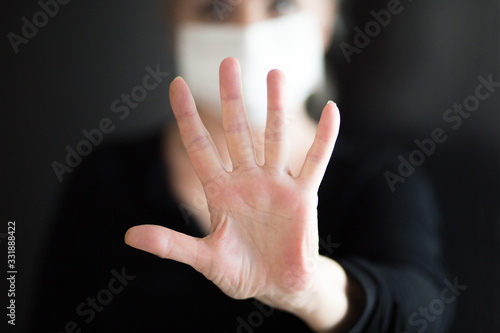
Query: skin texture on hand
point(263, 240)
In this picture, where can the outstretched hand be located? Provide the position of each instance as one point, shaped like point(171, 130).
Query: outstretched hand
point(263, 240)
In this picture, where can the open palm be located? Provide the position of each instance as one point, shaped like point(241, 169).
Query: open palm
point(263, 240)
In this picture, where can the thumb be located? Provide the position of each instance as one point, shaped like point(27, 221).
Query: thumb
point(168, 244)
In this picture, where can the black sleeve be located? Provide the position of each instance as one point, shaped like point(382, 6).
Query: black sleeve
point(390, 242)
point(65, 275)
point(86, 250)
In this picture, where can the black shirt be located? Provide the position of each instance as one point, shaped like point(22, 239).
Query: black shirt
point(93, 282)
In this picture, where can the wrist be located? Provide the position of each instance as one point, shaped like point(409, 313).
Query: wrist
point(335, 300)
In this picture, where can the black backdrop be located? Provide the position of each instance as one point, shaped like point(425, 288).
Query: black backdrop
point(396, 89)
point(399, 88)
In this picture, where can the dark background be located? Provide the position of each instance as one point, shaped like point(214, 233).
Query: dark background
point(396, 90)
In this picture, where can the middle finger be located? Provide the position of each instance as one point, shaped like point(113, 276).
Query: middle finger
point(237, 131)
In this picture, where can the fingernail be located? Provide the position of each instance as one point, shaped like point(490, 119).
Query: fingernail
point(331, 102)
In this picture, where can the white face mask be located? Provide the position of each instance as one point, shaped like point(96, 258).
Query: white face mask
point(291, 43)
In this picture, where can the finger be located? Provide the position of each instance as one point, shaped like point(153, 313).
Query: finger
point(276, 139)
point(319, 154)
point(168, 244)
point(237, 131)
point(195, 137)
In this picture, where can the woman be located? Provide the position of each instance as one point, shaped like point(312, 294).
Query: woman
point(257, 235)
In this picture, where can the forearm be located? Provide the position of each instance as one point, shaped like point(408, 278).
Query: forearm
point(336, 301)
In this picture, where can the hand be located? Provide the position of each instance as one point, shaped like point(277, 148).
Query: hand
point(263, 240)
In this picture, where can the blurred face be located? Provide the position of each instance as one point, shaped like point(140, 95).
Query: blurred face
point(245, 12)
point(290, 35)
